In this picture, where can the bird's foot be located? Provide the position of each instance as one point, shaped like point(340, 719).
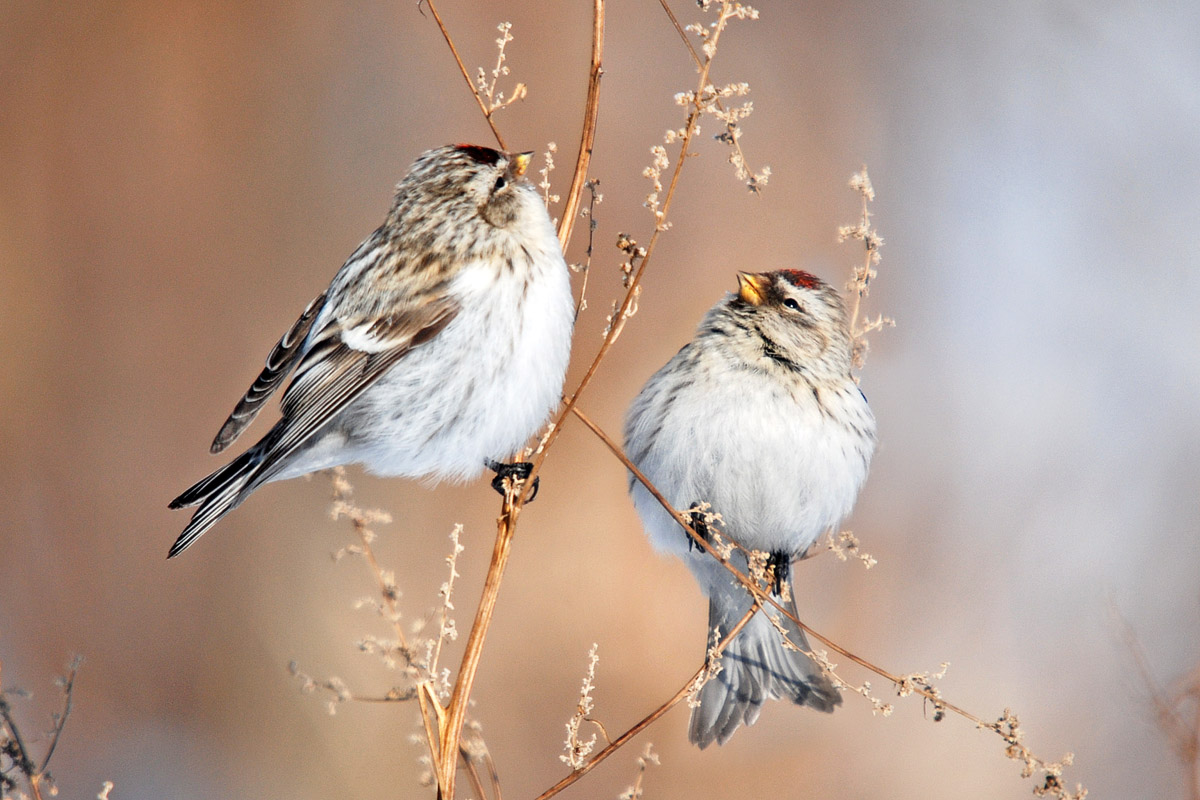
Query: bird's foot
point(699, 525)
point(514, 473)
point(780, 564)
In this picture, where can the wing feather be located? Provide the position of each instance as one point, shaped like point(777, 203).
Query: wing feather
point(332, 374)
point(282, 358)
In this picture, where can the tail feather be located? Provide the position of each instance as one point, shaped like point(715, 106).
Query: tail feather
point(217, 495)
point(755, 667)
point(200, 491)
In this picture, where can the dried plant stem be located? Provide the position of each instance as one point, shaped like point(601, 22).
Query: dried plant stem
point(586, 267)
point(1182, 733)
point(588, 137)
point(21, 758)
point(869, 256)
point(860, 283)
point(385, 591)
point(456, 711)
point(61, 720)
point(650, 718)
point(487, 114)
point(699, 63)
point(431, 709)
point(473, 775)
point(36, 774)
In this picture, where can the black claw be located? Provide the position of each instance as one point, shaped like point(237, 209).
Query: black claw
point(700, 526)
point(514, 472)
point(781, 564)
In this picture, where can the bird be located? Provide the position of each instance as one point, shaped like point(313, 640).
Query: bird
point(439, 347)
point(756, 422)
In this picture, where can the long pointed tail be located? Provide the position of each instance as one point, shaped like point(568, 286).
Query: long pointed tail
point(217, 495)
point(755, 667)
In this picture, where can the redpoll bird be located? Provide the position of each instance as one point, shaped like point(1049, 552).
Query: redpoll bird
point(759, 417)
point(440, 345)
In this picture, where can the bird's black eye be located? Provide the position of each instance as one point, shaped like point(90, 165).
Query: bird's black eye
point(792, 304)
point(501, 182)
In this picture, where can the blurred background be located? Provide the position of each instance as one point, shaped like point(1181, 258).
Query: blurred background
point(181, 178)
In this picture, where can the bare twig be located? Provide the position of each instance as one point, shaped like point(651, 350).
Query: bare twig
point(457, 708)
point(1182, 732)
point(577, 749)
point(588, 137)
point(644, 761)
point(15, 748)
point(60, 719)
point(860, 283)
point(487, 114)
point(426, 691)
point(447, 627)
point(586, 267)
point(753, 182)
point(15, 745)
point(496, 102)
point(472, 761)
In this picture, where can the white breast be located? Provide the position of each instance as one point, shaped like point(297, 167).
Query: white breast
point(486, 383)
point(778, 470)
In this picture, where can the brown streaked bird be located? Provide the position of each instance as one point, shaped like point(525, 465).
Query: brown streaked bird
point(439, 347)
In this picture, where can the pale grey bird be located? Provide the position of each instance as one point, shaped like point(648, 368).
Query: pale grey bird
point(441, 344)
point(759, 417)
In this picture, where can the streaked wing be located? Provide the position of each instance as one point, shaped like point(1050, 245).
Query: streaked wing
point(333, 373)
point(282, 358)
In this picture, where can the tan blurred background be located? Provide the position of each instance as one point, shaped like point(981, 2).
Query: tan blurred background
point(180, 178)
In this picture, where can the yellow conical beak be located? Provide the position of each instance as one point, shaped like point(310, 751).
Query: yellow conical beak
point(752, 287)
point(518, 163)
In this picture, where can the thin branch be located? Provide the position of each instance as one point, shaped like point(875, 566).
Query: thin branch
point(61, 722)
point(395, 695)
point(863, 231)
point(457, 709)
point(737, 145)
point(431, 709)
point(21, 758)
point(1183, 735)
point(487, 114)
point(447, 602)
point(586, 267)
point(860, 283)
point(468, 760)
point(15, 747)
point(591, 113)
point(682, 34)
point(493, 775)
